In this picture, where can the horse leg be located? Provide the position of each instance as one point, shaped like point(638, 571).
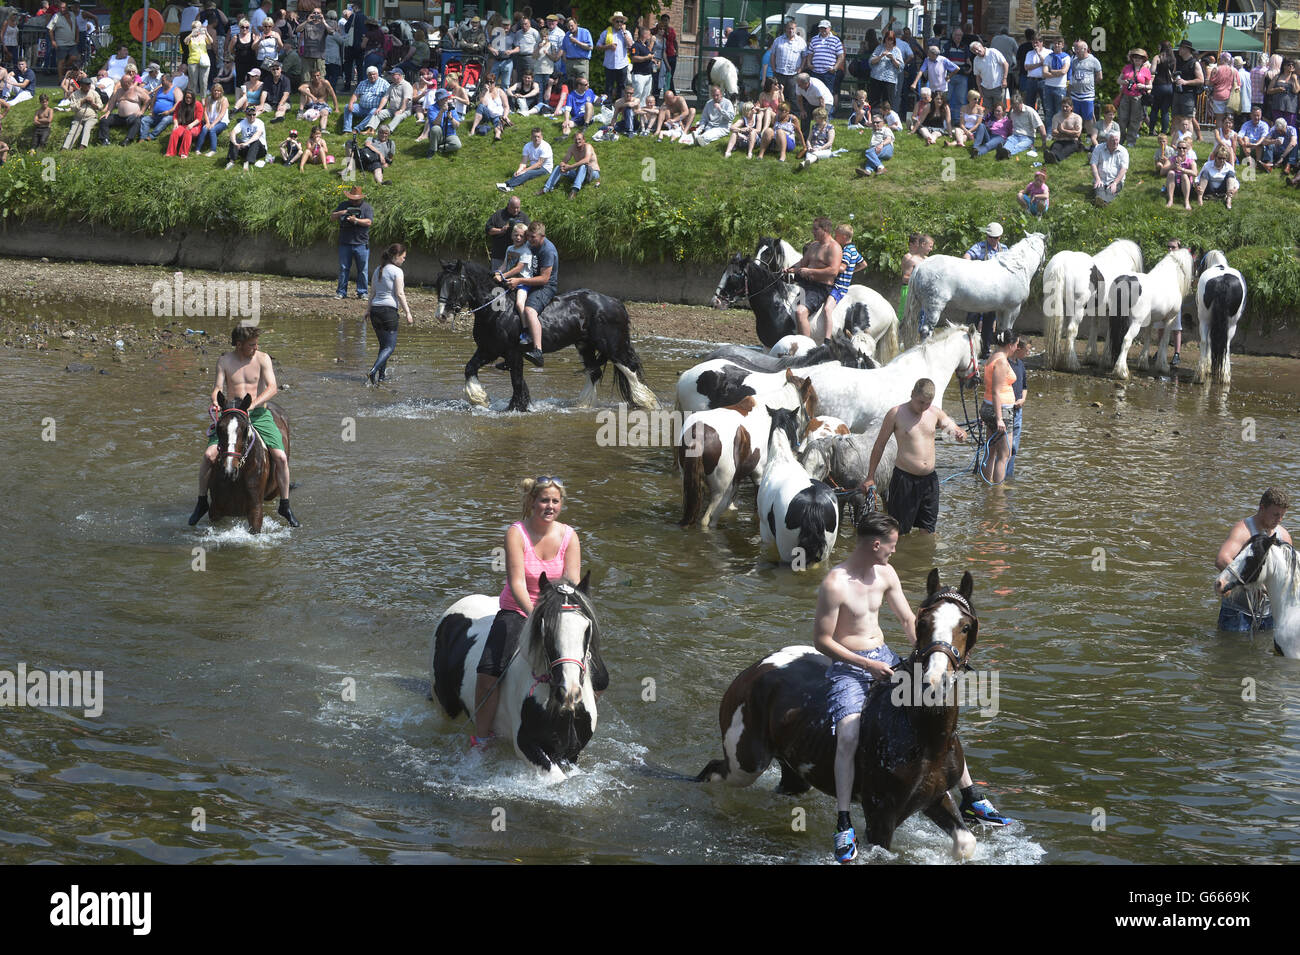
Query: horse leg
point(474, 390)
point(791, 784)
point(592, 369)
point(255, 517)
point(943, 813)
point(519, 396)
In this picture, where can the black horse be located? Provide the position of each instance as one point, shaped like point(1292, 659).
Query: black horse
point(772, 298)
point(595, 324)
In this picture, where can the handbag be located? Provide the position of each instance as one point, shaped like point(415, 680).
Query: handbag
point(1234, 98)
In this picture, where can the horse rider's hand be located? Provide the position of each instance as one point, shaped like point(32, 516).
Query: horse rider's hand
point(877, 669)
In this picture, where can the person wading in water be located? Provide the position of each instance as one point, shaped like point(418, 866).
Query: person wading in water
point(245, 371)
point(1234, 613)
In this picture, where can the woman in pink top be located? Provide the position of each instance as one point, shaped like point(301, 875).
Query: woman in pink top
point(539, 543)
point(1181, 176)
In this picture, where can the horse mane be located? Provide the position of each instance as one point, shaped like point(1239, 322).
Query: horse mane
point(941, 335)
point(1018, 257)
point(545, 618)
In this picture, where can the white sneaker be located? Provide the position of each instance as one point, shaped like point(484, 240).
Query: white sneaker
point(260, 163)
point(229, 165)
point(245, 167)
point(503, 187)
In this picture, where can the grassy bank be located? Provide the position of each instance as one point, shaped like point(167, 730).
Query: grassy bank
point(658, 202)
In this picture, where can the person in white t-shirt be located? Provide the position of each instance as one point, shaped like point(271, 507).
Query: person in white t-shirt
point(538, 161)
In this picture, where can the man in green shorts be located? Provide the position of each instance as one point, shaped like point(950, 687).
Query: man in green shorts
point(919, 245)
point(242, 372)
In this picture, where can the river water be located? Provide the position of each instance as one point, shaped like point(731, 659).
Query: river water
point(1126, 730)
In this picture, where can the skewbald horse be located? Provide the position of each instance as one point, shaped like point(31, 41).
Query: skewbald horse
point(909, 755)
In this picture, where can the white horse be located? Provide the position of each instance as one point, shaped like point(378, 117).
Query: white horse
point(792, 346)
point(720, 447)
point(798, 517)
point(1138, 301)
point(1220, 302)
point(721, 382)
point(1073, 290)
point(1271, 563)
point(997, 285)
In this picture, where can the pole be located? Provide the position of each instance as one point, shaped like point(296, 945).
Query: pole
point(1223, 25)
point(144, 40)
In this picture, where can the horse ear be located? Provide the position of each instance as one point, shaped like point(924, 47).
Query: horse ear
point(542, 583)
point(967, 585)
point(221, 400)
point(582, 584)
point(932, 581)
point(244, 405)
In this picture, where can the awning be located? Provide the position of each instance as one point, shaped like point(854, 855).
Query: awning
point(836, 12)
point(1204, 35)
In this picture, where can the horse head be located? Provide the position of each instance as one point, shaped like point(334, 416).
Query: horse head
point(807, 397)
point(1244, 570)
point(563, 639)
point(236, 437)
point(452, 286)
point(1209, 260)
point(946, 628)
point(769, 254)
point(732, 285)
point(784, 422)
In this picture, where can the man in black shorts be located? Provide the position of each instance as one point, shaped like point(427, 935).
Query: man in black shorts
point(913, 498)
point(543, 284)
point(816, 272)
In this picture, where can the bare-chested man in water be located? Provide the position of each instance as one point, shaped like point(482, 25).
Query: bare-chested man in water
point(240, 372)
point(847, 630)
point(816, 272)
point(914, 488)
point(919, 245)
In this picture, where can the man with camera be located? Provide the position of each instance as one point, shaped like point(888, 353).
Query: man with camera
point(354, 216)
point(314, 33)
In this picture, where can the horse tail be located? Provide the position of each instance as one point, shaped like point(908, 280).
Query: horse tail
point(818, 520)
point(1053, 310)
point(694, 483)
point(1224, 295)
point(912, 314)
point(891, 339)
point(631, 387)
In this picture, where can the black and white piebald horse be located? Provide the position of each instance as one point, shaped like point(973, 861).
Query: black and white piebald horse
point(1272, 564)
point(908, 756)
point(850, 350)
point(1220, 302)
point(548, 690)
point(597, 325)
point(798, 517)
point(1143, 300)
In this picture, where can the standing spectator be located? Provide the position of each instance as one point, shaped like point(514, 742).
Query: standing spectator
point(1223, 81)
point(537, 160)
point(549, 52)
point(644, 66)
point(1285, 90)
point(1135, 80)
point(990, 70)
point(958, 51)
point(785, 57)
point(189, 120)
point(1188, 80)
point(354, 216)
point(1243, 83)
point(669, 66)
point(243, 50)
point(886, 71)
point(525, 42)
point(1018, 356)
point(1030, 56)
point(1085, 74)
point(218, 26)
point(1164, 69)
point(247, 141)
point(616, 43)
point(353, 25)
point(86, 105)
point(1217, 178)
point(387, 292)
point(824, 61)
point(499, 226)
point(811, 94)
point(1109, 165)
point(41, 122)
point(1005, 44)
point(11, 34)
point(63, 33)
point(1055, 78)
point(577, 47)
point(715, 120)
point(936, 71)
point(259, 13)
point(315, 33)
point(335, 50)
point(216, 117)
point(199, 62)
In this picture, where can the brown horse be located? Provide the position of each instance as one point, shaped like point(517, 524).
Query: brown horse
point(908, 757)
point(244, 477)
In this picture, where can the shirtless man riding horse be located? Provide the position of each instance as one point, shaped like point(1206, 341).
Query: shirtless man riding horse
point(847, 630)
point(816, 272)
point(246, 372)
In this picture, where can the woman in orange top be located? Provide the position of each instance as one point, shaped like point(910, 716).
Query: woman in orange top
point(998, 409)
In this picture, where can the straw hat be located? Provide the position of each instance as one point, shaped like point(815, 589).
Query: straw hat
point(355, 193)
point(1138, 51)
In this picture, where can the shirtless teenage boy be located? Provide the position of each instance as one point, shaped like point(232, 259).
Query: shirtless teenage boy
point(816, 272)
point(245, 371)
point(919, 245)
point(914, 488)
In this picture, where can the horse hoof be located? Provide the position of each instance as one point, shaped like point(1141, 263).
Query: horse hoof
point(476, 393)
point(963, 845)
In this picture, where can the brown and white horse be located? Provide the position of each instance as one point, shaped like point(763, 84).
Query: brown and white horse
point(908, 757)
point(244, 477)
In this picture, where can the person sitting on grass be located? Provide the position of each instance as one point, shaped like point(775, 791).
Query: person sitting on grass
point(746, 127)
point(1025, 126)
point(369, 97)
point(647, 116)
point(401, 101)
point(675, 117)
point(444, 124)
point(624, 111)
point(579, 107)
point(782, 132)
point(1217, 178)
point(216, 117)
point(932, 119)
point(376, 154)
point(1250, 137)
point(279, 88)
point(881, 148)
point(317, 100)
point(1109, 166)
point(821, 140)
point(291, 151)
point(972, 114)
point(714, 121)
point(1186, 131)
point(579, 164)
point(494, 107)
point(162, 106)
point(1279, 145)
point(252, 93)
point(1108, 123)
point(247, 141)
point(1181, 175)
point(1036, 196)
point(991, 134)
point(86, 105)
point(1164, 157)
point(526, 94)
point(768, 100)
point(315, 151)
point(1225, 135)
point(860, 115)
point(538, 160)
point(41, 123)
point(1067, 134)
point(124, 108)
point(69, 84)
point(189, 121)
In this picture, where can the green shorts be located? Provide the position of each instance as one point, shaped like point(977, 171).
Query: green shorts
point(261, 419)
point(902, 303)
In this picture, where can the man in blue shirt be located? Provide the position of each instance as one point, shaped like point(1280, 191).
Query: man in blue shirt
point(990, 247)
point(542, 285)
point(444, 120)
point(1251, 136)
point(370, 96)
point(577, 51)
point(579, 108)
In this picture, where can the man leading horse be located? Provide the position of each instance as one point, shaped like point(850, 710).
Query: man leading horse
point(246, 372)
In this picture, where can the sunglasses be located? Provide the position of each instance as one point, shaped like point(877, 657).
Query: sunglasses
point(546, 479)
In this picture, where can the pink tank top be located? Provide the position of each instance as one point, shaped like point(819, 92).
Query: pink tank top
point(533, 568)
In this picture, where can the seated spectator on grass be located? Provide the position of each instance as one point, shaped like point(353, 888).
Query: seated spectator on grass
point(1164, 157)
point(104, 84)
point(579, 107)
point(1107, 123)
point(278, 90)
point(821, 140)
point(86, 105)
point(1026, 124)
point(124, 108)
point(1181, 175)
point(493, 107)
point(624, 109)
point(526, 94)
point(180, 79)
point(1109, 165)
point(933, 119)
point(189, 122)
point(1217, 178)
point(21, 84)
point(647, 116)
point(69, 84)
point(812, 93)
point(1225, 135)
point(1185, 130)
point(457, 91)
point(715, 120)
point(579, 164)
point(768, 100)
point(216, 117)
point(162, 104)
point(992, 133)
point(891, 118)
point(374, 155)
point(1279, 145)
point(152, 78)
point(370, 96)
point(317, 100)
point(783, 132)
point(1250, 137)
point(444, 124)
point(538, 160)
point(253, 93)
point(41, 123)
point(315, 151)
point(881, 148)
point(1036, 197)
point(116, 64)
point(675, 117)
point(745, 127)
point(972, 114)
point(247, 141)
point(291, 151)
point(860, 112)
point(401, 101)
point(1067, 134)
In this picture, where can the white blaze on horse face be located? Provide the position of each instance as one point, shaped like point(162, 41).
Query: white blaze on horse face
point(442, 308)
point(232, 441)
point(569, 645)
point(944, 621)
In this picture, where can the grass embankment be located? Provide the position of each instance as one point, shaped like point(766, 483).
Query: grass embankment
point(658, 202)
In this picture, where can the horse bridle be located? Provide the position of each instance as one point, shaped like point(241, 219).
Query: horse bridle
point(581, 664)
point(780, 277)
point(249, 443)
point(960, 662)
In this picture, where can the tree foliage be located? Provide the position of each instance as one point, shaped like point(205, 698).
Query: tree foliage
point(1113, 27)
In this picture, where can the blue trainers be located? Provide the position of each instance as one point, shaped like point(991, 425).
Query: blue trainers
point(982, 811)
point(846, 845)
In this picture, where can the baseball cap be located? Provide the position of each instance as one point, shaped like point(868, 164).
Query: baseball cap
point(994, 229)
point(154, 67)
point(824, 23)
point(254, 72)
